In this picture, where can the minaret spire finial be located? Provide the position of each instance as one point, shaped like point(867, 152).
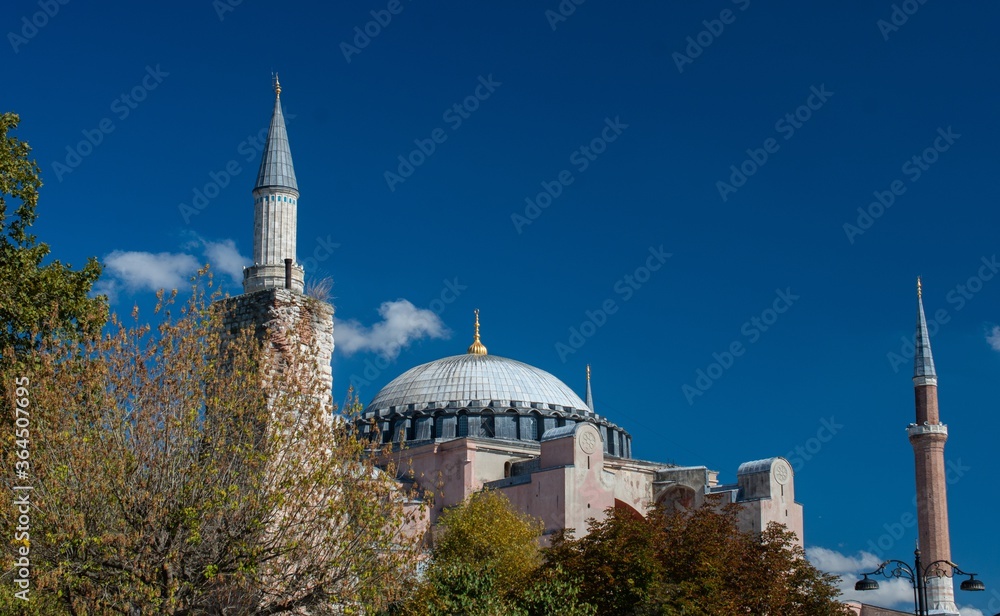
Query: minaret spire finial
point(277, 85)
point(920, 291)
point(477, 348)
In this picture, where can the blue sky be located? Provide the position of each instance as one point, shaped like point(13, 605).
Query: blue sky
point(652, 176)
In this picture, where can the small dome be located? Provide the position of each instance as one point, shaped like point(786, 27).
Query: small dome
point(463, 379)
point(756, 466)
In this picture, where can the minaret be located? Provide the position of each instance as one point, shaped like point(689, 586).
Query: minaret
point(273, 303)
point(590, 395)
point(275, 198)
point(928, 436)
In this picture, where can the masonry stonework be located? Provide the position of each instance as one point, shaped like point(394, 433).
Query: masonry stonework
point(283, 313)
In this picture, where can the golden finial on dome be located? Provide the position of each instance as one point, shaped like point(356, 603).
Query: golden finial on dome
point(277, 85)
point(477, 348)
point(920, 291)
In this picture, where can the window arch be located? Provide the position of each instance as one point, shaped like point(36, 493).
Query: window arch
point(487, 424)
point(506, 425)
point(401, 430)
point(423, 428)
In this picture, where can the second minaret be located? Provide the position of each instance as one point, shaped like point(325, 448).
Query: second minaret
point(928, 436)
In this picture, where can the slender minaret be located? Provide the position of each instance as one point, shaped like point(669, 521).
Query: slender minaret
point(590, 395)
point(273, 303)
point(928, 436)
point(275, 198)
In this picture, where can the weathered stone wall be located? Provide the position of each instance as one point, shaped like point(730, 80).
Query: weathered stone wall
point(281, 312)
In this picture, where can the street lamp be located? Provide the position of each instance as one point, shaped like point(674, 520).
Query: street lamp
point(917, 576)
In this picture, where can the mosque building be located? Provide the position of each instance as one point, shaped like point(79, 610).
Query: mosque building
point(474, 420)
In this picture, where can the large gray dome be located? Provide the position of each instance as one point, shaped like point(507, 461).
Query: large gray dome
point(480, 396)
point(476, 381)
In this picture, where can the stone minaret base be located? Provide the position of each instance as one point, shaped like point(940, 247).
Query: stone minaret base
point(281, 312)
point(941, 597)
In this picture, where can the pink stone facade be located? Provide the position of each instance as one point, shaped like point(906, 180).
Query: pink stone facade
point(567, 479)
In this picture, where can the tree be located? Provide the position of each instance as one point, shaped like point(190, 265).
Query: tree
point(37, 303)
point(35, 300)
point(617, 562)
point(713, 567)
point(181, 470)
point(693, 563)
point(486, 563)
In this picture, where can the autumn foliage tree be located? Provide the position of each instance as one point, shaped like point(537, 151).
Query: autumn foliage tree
point(181, 470)
point(696, 563)
point(486, 562)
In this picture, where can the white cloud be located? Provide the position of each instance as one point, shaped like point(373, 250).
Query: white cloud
point(401, 324)
point(993, 338)
point(145, 271)
point(225, 258)
point(138, 271)
point(892, 593)
point(895, 593)
point(832, 561)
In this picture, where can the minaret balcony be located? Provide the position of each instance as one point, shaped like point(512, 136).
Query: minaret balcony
point(916, 430)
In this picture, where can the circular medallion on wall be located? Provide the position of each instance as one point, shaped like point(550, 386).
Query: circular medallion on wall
point(781, 472)
point(588, 442)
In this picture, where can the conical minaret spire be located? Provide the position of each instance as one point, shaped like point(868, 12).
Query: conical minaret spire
point(275, 197)
point(923, 360)
point(928, 436)
point(276, 169)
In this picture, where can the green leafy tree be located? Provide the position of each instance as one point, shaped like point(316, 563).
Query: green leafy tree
point(554, 592)
point(617, 563)
point(179, 469)
point(36, 300)
point(712, 567)
point(695, 564)
point(486, 562)
point(486, 532)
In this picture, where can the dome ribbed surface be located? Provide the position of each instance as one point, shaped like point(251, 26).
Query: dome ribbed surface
point(463, 379)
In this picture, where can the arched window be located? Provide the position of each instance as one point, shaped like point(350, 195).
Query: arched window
point(539, 425)
point(528, 427)
point(401, 430)
point(487, 424)
point(506, 425)
point(463, 423)
point(424, 429)
point(548, 423)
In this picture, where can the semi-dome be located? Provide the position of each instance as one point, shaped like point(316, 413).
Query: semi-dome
point(476, 381)
point(482, 396)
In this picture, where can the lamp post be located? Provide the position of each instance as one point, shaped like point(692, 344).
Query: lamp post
point(917, 575)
